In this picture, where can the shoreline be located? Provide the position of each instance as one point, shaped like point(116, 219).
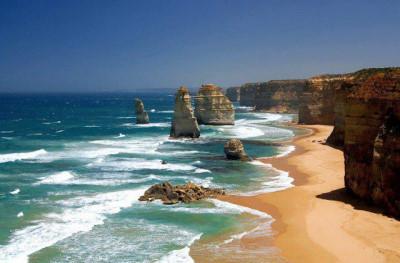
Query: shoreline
point(316, 220)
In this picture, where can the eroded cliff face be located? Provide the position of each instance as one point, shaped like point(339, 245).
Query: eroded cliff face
point(372, 138)
point(248, 94)
point(317, 101)
point(184, 124)
point(279, 95)
point(212, 107)
point(233, 94)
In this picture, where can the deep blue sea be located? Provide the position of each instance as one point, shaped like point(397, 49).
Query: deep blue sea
point(73, 166)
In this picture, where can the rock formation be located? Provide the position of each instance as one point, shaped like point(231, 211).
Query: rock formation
point(279, 95)
point(184, 124)
point(141, 115)
point(317, 102)
point(234, 150)
point(372, 138)
point(213, 107)
point(248, 94)
point(233, 94)
point(186, 193)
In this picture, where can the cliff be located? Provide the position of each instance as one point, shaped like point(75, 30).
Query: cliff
point(233, 94)
point(184, 124)
point(279, 95)
point(317, 101)
point(141, 115)
point(247, 94)
point(372, 137)
point(213, 107)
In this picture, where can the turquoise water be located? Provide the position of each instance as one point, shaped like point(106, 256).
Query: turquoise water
point(73, 166)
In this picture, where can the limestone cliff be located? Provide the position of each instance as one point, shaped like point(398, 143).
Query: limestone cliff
point(248, 94)
point(184, 124)
point(213, 107)
point(279, 95)
point(141, 115)
point(372, 138)
point(233, 94)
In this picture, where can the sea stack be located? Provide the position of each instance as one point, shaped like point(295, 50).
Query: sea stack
point(212, 107)
point(234, 150)
point(184, 124)
point(141, 115)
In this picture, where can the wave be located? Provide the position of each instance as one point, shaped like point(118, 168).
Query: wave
point(156, 124)
point(15, 191)
point(166, 111)
point(80, 214)
point(286, 151)
point(6, 131)
point(7, 138)
point(49, 123)
point(12, 157)
point(120, 136)
point(91, 126)
point(180, 255)
point(127, 117)
point(58, 178)
point(153, 110)
point(59, 131)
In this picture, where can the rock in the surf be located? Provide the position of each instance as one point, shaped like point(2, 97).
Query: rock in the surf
point(212, 107)
point(184, 124)
point(141, 115)
point(234, 150)
point(186, 193)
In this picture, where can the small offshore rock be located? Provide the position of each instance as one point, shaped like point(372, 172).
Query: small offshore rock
point(141, 115)
point(234, 150)
point(186, 193)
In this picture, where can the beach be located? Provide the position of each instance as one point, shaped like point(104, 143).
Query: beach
point(317, 220)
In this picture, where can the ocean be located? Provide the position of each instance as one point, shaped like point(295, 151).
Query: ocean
point(72, 167)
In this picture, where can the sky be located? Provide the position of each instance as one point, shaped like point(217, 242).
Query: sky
point(100, 46)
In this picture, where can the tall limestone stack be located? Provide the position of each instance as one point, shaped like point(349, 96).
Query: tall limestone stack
point(317, 102)
point(233, 94)
point(184, 124)
point(213, 107)
point(141, 115)
point(279, 95)
point(372, 139)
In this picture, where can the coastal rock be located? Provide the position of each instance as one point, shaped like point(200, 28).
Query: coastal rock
point(234, 150)
point(184, 124)
point(141, 115)
point(213, 107)
point(279, 95)
point(233, 94)
point(186, 193)
point(372, 138)
point(248, 94)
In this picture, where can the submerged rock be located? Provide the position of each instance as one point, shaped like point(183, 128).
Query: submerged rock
point(234, 150)
point(213, 107)
point(184, 124)
point(141, 115)
point(186, 193)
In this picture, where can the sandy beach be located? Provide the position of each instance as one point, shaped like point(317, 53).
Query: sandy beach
point(317, 220)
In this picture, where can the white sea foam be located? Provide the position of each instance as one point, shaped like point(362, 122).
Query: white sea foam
point(120, 136)
point(153, 110)
point(285, 151)
point(166, 111)
point(156, 124)
point(126, 117)
point(59, 131)
point(241, 209)
point(15, 191)
point(80, 214)
point(20, 214)
point(7, 138)
point(12, 157)
point(180, 255)
point(58, 178)
point(49, 123)
point(91, 126)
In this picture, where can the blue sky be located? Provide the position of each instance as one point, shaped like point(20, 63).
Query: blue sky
point(135, 45)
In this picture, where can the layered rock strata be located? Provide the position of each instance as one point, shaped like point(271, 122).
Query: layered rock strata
point(279, 95)
point(213, 107)
point(186, 193)
point(184, 124)
point(234, 150)
point(233, 94)
point(372, 139)
point(141, 115)
point(248, 94)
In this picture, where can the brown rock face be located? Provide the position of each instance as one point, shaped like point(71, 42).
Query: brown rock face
point(372, 139)
point(233, 94)
point(184, 124)
point(186, 193)
point(317, 102)
point(234, 150)
point(141, 115)
point(213, 107)
point(248, 94)
point(279, 95)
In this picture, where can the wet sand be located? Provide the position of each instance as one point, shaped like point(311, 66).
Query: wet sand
point(317, 220)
